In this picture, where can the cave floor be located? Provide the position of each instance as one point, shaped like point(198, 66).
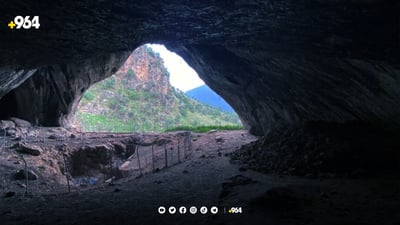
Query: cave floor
point(209, 179)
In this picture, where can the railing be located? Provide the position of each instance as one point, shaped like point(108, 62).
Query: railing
point(145, 158)
point(151, 158)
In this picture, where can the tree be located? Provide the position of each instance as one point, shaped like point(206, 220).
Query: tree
point(89, 96)
point(131, 74)
point(109, 83)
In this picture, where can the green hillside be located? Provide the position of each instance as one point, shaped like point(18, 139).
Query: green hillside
point(140, 98)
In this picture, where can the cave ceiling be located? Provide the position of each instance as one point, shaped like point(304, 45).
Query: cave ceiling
point(277, 62)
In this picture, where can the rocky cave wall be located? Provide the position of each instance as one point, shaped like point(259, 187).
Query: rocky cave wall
point(51, 95)
point(277, 63)
point(286, 90)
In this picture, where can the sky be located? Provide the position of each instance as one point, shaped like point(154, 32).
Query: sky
point(182, 76)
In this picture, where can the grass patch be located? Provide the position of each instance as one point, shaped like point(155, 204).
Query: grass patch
point(100, 123)
point(203, 129)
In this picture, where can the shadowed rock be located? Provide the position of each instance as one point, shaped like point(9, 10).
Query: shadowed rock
point(277, 63)
point(21, 123)
point(29, 149)
point(6, 124)
point(21, 175)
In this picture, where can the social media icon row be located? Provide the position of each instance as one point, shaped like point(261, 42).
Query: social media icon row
point(183, 210)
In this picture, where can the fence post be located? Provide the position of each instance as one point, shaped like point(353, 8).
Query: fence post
point(66, 173)
point(172, 155)
point(111, 167)
point(137, 154)
point(166, 155)
point(190, 141)
point(152, 156)
point(184, 145)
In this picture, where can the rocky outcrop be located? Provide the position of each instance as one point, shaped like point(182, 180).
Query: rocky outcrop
point(143, 70)
point(11, 78)
point(29, 149)
point(278, 63)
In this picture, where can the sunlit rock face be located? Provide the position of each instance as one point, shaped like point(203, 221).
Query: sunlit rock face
point(277, 63)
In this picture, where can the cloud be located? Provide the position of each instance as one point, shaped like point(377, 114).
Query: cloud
point(182, 76)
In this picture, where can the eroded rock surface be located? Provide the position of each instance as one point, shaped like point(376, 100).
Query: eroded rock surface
point(325, 150)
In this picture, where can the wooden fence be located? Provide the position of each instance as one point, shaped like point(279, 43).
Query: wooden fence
point(156, 156)
point(145, 158)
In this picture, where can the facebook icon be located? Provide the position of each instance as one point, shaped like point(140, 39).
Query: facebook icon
point(182, 210)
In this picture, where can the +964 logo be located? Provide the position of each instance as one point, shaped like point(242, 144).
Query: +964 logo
point(24, 22)
point(235, 210)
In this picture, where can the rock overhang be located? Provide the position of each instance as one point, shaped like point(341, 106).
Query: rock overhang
point(276, 62)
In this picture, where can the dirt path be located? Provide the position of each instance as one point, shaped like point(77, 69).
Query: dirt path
point(209, 179)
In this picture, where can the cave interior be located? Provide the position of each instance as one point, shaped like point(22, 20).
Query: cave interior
point(293, 70)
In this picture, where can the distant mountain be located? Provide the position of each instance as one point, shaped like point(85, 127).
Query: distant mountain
point(139, 97)
point(206, 95)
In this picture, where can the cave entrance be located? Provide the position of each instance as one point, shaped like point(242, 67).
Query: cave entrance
point(154, 90)
point(8, 106)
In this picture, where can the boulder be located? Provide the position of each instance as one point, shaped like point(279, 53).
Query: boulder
point(6, 124)
point(9, 194)
point(53, 136)
point(29, 149)
point(9, 132)
point(218, 139)
point(20, 122)
point(7, 127)
point(21, 175)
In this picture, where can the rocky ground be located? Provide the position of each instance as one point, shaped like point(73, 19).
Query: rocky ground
point(55, 156)
point(325, 150)
point(205, 178)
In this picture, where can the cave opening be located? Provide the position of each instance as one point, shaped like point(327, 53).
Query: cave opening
point(9, 106)
point(155, 90)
